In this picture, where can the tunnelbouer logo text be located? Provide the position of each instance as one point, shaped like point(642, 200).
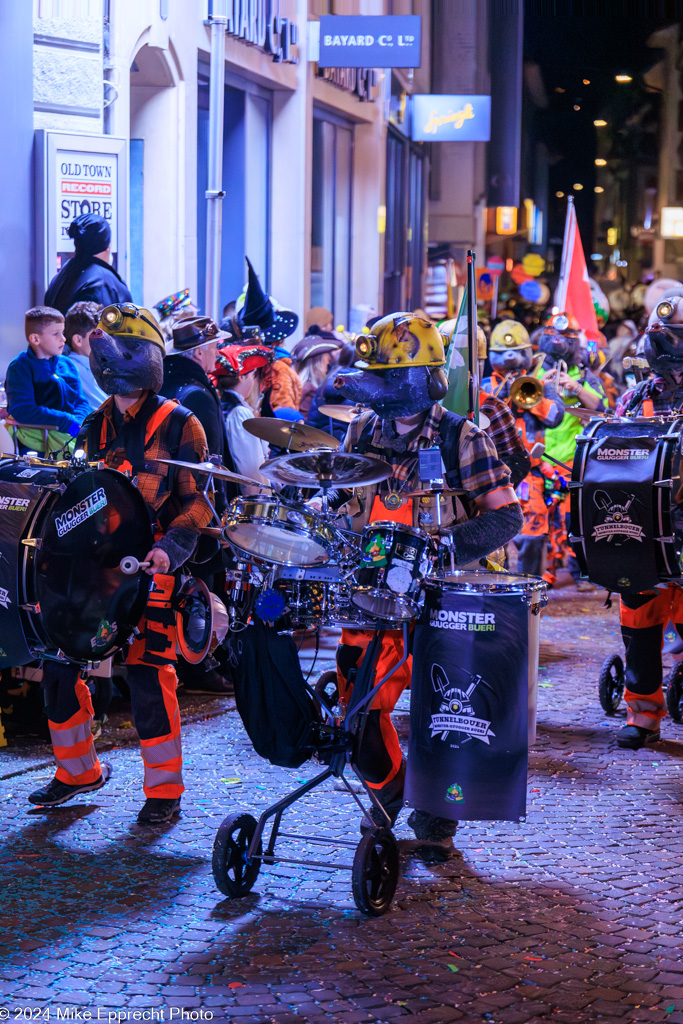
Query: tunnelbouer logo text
point(80, 511)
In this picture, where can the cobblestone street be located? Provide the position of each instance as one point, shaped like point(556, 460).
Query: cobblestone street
point(571, 916)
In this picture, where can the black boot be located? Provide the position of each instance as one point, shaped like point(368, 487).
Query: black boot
point(433, 836)
point(633, 737)
point(391, 799)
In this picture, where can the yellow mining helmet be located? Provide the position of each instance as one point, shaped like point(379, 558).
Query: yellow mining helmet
point(400, 339)
point(509, 336)
point(126, 320)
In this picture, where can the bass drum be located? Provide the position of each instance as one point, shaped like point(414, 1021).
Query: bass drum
point(62, 592)
point(626, 528)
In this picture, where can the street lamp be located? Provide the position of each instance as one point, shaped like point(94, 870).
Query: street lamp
point(599, 162)
point(599, 123)
point(623, 78)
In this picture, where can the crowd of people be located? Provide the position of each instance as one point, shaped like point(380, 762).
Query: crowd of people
point(69, 388)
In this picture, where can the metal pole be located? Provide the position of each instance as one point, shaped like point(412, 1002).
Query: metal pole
point(473, 376)
point(215, 193)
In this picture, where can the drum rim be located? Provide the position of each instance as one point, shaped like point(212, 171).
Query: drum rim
point(435, 580)
point(275, 561)
point(414, 531)
point(399, 598)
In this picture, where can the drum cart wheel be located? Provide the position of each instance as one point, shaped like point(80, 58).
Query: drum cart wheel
point(241, 845)
point(375, 872)
point(234, 871)
point(674, 692)
point(611, 683)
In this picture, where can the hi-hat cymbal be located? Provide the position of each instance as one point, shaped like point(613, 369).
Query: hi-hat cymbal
point(341, 413)
point(324, 468)
point(220, 471)
point(295, 437)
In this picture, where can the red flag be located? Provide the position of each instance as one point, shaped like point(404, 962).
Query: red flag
point(573, 295)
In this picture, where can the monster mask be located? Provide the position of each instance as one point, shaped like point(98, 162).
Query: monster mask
point(560, 341)
point(127, 350)
point(510, 350)
point(663, 347)
point(400, 367)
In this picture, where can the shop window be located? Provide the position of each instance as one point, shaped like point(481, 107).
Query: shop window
point(405, 227)
point(331, 216)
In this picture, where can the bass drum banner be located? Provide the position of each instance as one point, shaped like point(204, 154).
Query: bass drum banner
point(468, 748)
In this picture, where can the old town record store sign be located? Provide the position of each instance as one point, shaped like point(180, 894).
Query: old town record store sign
point(451, 118)
point(369, 41)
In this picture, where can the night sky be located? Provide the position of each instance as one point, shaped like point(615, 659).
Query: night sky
point(568, 50)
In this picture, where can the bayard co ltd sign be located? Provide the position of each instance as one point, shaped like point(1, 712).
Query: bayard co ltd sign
point(451, 118)
point(370, 41)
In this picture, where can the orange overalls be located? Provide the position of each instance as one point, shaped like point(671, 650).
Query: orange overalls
point(379, 758)
point(152, 680)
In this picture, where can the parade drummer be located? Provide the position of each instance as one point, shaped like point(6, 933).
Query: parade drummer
point(129, 432)
point(644, 616)
point(511, 357)
point(401, 379)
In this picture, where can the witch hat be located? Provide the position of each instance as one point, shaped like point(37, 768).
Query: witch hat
point(260, 311)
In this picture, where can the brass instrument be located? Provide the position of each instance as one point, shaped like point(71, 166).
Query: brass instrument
point(526, 392)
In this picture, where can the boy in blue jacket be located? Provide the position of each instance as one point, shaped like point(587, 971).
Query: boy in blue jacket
point(43, 387)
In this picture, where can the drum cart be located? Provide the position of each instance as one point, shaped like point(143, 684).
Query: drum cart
point(611, 686)
point(238, 851)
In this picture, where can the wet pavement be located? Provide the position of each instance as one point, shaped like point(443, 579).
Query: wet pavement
point(573, 915)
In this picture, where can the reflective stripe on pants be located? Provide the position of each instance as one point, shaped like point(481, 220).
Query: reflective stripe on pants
point(77, 762)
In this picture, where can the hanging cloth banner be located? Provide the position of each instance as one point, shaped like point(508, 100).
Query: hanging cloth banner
point(468, 748)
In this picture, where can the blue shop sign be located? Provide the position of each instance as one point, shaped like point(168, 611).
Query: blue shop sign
point(451, 118)
point(370, 41)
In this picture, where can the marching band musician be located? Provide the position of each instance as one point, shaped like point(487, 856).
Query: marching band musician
point(131, 430)
point(401, 379)
point(511, 357)
point(644, 616)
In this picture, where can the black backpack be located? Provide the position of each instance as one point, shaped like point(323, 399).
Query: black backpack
point(276, 706)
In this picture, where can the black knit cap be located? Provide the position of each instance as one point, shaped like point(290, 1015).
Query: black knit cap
point(91, 234)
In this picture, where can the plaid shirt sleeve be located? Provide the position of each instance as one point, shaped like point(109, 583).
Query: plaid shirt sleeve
point(481, 470)
point(190, 510)
point(503, 428)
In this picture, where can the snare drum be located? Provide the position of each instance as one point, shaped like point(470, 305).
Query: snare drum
point(279, 532)
point(473, 697)
point(396, 559)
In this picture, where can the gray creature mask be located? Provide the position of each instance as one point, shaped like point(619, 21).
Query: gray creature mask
point(512, 360)
point(398, 393)
point(121, 365)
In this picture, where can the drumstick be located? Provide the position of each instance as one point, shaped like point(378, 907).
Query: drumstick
point(129, 565)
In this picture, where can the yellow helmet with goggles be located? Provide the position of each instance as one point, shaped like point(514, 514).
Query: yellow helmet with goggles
point(509, 336)
point(126, 320)
point(400, 339)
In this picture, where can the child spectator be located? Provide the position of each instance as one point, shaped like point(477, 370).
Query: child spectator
point(81, 320)
point(43, 387)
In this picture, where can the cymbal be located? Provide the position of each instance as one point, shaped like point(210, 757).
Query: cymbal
point(324, 468)
point(219, 471)
point(296, 437)
point(585, 414)
point(341, 413)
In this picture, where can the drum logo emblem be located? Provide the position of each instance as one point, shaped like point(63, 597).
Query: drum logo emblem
point(106, 631)
point(81, 511)
point(454, 794)
point(376, 552)
point(4, 598)
point(617, 524)
point(456, 714)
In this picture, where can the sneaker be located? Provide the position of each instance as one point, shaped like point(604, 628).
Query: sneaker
point(633, 737)
point(57, 792)
point(211, 683)
point(157, 811)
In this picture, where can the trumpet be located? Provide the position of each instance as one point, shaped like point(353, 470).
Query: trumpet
point(526, 392)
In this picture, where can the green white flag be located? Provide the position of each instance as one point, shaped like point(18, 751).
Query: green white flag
point(457, 363)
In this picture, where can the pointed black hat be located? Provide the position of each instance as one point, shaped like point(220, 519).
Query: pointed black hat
point(258, 311)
